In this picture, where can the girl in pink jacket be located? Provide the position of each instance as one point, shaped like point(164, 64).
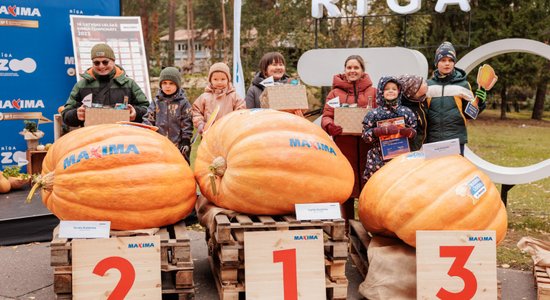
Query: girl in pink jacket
point(218, 92)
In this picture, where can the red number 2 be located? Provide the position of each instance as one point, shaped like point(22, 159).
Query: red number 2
point(127, 275)
point(462, 253)
point(290, 283)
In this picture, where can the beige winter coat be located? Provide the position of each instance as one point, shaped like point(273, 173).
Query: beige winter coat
point(206, 103)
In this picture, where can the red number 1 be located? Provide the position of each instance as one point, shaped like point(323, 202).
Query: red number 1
point(127, 275)
point(290, 282)
point(462, 253)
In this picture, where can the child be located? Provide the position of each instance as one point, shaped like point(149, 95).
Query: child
point(170, 111)
point(218, 92)
point(413, 96)
point(448, 96)
point(388, 100)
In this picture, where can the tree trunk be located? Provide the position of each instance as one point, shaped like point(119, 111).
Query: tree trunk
point(225, 47)
point(503, 102)
point(542, 88)
point(171, 31)
point(155, 51)
point(144, 16)
point(191, 40)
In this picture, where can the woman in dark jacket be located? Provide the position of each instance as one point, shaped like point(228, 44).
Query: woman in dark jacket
point(353, 86)
point(271, 64)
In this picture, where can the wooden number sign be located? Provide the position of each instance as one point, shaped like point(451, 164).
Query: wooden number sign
point(117, 268)
point(456, 265)
point(286, 265)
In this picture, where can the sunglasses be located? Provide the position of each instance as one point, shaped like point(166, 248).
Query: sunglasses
point(104, 62)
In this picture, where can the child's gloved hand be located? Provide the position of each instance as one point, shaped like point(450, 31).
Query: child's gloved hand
point(481, 94)
point(407, 132)
point(385, 130)
point(334, 130)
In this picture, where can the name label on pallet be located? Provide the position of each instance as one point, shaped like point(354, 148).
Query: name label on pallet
point(84, 229)
point(284, 264)
point(456, 265)
point(317, 211)
point(117, 268)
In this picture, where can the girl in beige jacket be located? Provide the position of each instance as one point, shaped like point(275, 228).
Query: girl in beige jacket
point(219, 92)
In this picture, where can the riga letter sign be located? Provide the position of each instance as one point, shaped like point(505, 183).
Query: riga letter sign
point(363, 5)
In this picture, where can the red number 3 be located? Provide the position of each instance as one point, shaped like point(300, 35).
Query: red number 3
point(462, 253)
point(127, 275)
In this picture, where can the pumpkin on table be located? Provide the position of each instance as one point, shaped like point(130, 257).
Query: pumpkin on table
point(5, 185)
point(131, 176)
point(264, 161)
point(412, 193)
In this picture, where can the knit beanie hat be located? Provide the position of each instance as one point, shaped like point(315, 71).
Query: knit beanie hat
point(410, 85)
point(219, 67)
point(445, 50)
point(103, 50)
point(172, 74)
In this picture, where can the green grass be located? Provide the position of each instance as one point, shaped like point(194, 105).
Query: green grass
point(517, 142)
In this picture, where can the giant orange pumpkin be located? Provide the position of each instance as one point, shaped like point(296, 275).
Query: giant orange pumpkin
point(131, 176)
point(264, 161)
point(411, 193)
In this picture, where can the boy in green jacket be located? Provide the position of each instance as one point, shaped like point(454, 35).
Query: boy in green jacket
point(448, 97)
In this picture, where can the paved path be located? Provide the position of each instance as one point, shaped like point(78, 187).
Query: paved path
point(25, 273)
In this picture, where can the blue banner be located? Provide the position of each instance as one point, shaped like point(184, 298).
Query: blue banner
point(37, 69)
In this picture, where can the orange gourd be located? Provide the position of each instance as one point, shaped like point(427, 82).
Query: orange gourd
point(131, 176)
point(264, 161)
point(5, 185)
point(411, 193)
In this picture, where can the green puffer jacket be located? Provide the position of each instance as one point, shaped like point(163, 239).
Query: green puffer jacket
point(121, 86)
point(445, 107)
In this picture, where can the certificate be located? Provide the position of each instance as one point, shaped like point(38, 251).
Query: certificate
point(395, 144)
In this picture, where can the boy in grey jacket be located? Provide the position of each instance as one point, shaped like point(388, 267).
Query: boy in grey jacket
point(170, 111)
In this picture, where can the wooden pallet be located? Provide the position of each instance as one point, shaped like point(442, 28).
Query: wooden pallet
point(359, 243)
point(176, 261)
point(226, 250)
point(542, 282)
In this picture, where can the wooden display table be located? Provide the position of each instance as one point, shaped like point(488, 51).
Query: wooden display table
point(175, 258)
point(35, 158)
point(226, 251)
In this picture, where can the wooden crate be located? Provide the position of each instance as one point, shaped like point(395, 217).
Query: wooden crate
point(359, 243)
point(176, 261)
point(360, 239)
point(542, 282)
point(226, 251)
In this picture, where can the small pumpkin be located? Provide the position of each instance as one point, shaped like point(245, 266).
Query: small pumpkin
point(131, 176)
point(412, 193)
point(19, 182)
point(5, 185)
point(264, 161)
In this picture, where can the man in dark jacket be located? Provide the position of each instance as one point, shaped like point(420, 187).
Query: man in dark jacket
point(103, 84)
point(448, 96)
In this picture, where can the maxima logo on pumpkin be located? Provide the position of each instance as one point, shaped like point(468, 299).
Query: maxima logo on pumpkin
point(99, 152)
point(312, 145)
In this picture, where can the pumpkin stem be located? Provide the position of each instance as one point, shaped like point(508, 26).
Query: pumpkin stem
point(217, 168)
point(213, 183)
point(45, 182)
